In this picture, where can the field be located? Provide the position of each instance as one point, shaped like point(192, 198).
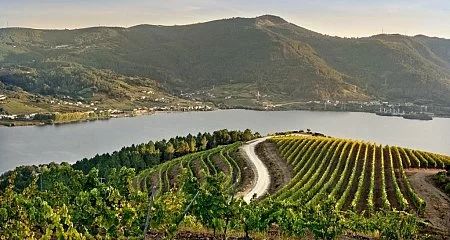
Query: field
point(360, 176)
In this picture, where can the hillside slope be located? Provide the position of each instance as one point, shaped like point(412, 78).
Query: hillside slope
point(266, 54)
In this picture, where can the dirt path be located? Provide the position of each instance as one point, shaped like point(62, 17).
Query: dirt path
point(280, 171)
point(262, 182)
point(437, 211)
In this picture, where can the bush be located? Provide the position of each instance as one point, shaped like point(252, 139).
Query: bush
point(447, 188)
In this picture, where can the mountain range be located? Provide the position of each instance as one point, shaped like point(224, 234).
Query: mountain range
point(237, 57)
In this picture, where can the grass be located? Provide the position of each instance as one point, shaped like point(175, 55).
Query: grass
point(14, 106)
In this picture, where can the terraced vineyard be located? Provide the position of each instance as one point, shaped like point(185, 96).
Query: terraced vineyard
point(198, 165)
point(359, 175)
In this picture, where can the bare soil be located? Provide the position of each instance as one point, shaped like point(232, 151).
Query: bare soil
point(196, 169)
point(437, 211)
point(247, 172)
point(153, 180)
point(362, 204)
point(279, 170)
point(390, 189)
point(348, 173)
point(341, 169)
point(220, 164)
point(377, 188)
point(354, 184)
point(173, 174)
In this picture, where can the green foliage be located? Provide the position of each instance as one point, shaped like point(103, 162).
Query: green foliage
point(168, 209)
point(442, 179)
point(211, 204)
point(65, 203)
point(72, 206)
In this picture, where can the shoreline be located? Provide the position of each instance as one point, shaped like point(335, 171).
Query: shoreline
point(27, 123)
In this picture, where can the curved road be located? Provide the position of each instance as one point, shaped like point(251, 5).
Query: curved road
point(261, 173)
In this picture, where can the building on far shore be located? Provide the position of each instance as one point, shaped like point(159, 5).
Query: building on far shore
point(2, 98)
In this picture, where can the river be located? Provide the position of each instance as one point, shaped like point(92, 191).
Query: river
point(71, 142)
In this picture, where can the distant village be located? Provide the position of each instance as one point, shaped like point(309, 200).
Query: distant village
point(91, 107)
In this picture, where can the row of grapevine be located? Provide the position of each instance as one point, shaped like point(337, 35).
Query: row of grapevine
point(415, 162)
point(323, 167)
point(360, 180)
point(340, 182)
point(199, 165)
point(309, 167)
point(298, 148)
point(403, 203)
point(346, 192)
point(418, 202)
point(360, 176)
point(315, 186)
point(325, 188)
point(236, 168)
point(384, 200)
point(308, 152)
point(370, 198)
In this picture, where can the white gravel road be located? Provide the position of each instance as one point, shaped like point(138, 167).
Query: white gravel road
point(261, 173)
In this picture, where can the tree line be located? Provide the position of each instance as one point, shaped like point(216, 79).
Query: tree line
point(70, 117)
point(147, 155)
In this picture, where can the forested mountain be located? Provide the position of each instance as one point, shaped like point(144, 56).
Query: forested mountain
point(265, 54)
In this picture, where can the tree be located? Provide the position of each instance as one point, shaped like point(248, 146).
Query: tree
point(192, 145)
point(169, 151)
point(204, 143)
point(247, 136)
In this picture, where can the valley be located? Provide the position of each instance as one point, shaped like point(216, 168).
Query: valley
point(204, 120)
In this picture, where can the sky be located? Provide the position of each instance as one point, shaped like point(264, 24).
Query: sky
point(345, 18)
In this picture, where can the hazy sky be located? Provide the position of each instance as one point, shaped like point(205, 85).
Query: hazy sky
point(341, 17)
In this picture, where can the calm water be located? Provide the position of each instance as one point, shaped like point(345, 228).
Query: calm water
point(68, 143)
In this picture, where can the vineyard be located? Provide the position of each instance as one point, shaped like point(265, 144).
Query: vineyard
point(199, 165)
point(198, 192)
point(360, 176)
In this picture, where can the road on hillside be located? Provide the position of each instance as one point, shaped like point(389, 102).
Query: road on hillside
point(261, 173)
point(437, 210)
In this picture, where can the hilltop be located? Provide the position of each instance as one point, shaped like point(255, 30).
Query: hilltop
point(236, 58)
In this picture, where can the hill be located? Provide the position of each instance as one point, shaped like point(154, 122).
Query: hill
point(361, 176)
point(191, 185)
point(239, 57)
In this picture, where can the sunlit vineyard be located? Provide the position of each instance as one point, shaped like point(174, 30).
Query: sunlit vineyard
point(199, 191)
point(360, 176)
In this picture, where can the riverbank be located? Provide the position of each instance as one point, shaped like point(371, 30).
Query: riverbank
point(21, 123)
point(31, 122)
